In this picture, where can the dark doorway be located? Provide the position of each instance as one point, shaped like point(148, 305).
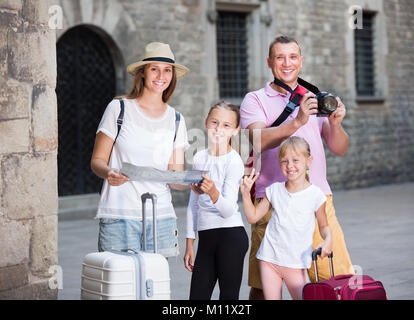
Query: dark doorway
point(86, 83)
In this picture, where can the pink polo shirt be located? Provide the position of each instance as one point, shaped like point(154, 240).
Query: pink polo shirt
point(265, 105)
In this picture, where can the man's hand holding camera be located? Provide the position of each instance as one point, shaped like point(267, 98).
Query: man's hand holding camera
point(308, 106)
point(338, 115)
point(311, 105)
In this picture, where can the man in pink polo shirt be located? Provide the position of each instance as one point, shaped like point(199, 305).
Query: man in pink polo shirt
point(258, 111)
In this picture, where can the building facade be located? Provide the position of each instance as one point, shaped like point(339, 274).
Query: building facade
point(359, 50)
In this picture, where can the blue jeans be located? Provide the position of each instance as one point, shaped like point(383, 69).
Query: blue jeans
point(121, 234)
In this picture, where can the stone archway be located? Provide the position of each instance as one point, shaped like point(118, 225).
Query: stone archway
point(94, 75)
point(86, 83)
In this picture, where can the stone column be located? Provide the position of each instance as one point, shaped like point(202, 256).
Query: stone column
point(28, 151)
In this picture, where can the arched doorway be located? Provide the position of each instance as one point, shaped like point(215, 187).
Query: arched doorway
point(86, 83)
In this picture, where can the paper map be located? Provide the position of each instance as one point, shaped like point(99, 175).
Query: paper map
point(137, 173)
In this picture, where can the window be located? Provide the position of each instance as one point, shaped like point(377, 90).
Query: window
point(232, 54)
point(364, 56)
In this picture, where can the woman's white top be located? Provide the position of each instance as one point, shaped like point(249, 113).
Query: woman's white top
point(142, 141)
point(289, 234)
point(226, 171)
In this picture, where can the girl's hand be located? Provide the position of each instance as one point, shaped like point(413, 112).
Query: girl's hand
point(247, 183)
point(208, 186)
point(116, 179)
point(326, 249)
point(189, 259)
point(196, 188)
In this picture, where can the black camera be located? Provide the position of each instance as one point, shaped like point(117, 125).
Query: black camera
point(327, 103)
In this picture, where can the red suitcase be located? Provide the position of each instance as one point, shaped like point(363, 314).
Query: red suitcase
point(342, 287)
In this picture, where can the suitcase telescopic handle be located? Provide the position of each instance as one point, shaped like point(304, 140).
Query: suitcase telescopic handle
point(315, 254)
point(153, 198)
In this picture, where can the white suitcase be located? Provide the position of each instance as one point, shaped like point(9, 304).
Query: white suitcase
point(127, 275)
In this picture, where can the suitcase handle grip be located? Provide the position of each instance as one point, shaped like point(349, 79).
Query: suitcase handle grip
point(153, 198)
point(129, 250)
point(315, 254)
point(318, 252)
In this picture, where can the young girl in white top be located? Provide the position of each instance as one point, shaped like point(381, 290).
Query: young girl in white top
point(213, 211)
point(285, 252)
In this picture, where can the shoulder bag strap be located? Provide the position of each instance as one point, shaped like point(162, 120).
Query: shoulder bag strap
point(177, 123)
point(120, 119)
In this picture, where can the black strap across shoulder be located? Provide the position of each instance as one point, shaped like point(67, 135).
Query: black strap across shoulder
point(294, 101)
point(177, 123)
point(295, 98)
point(120, 119)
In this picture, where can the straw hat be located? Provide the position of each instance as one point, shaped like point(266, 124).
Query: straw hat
point(158, 52)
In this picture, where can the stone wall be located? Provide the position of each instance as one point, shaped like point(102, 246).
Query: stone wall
point(395, 142)
point(28, 168)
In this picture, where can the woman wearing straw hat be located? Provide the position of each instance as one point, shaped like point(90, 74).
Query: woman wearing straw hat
point(151, 135)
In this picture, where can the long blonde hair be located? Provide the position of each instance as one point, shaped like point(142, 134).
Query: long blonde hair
point(297, 144)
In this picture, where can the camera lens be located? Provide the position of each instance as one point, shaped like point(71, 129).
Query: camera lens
point(327, 103)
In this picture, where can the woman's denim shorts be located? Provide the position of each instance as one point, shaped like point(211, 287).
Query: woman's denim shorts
point(123, 234)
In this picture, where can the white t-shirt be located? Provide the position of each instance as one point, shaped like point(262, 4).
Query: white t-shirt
point(226, 171)
point(142, 141)
point(289, 234)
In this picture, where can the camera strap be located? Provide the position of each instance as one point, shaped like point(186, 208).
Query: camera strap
point(296, 96)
